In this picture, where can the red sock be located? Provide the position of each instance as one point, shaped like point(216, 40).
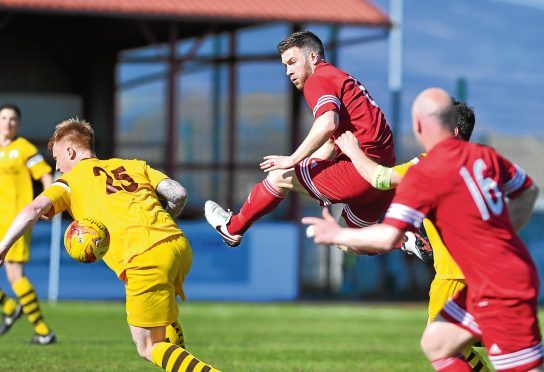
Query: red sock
point(263, 199)
point(452, 364)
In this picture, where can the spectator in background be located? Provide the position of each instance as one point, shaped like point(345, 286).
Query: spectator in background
point(20, 163)
point(462, 188)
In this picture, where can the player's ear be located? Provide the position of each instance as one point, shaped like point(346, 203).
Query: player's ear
point(418, 127)
point(313, 57)
point(71, 153)
point(456, 132)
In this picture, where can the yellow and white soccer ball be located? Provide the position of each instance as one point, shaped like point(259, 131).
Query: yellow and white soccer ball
point(86, 240)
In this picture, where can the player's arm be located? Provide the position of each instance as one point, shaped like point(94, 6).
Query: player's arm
point(521, 208)
point(174, 194)
point(380, 177)
point(325, 152)
point(23, 222)
point(372, 239)
point(321, 131)
point(47, 180)
point(520, 191)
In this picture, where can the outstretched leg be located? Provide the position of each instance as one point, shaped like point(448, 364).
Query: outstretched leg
point(263, 199)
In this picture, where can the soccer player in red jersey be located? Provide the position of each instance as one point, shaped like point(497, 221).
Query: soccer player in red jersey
point(318, 168)
point(477, 200)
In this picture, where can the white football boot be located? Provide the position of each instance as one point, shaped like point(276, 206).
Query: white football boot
point(219, 218)
point(47, 339)
point(418, 246)
point(8, 320)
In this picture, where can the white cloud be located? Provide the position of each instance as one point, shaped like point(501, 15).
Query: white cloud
point(537, 4)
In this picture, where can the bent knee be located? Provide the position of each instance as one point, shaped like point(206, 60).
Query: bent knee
point(432, 343)
point(14, 272)
point(145, 351)
point(442, 339)
point(426, 344)
point(281, 179)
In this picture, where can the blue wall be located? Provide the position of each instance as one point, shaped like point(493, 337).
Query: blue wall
point(263, 268)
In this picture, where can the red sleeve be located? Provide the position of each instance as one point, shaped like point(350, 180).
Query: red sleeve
point(514, 178)
point(413, 200)
point(321, 95)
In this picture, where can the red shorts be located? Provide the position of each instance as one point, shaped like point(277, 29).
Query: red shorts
point(333, 182)
point(508, 328)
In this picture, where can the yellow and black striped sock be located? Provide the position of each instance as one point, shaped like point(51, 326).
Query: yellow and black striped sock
point(31, 306)
point(8, 303)
point(174, 334)
point(475, 361)
point(173, 358)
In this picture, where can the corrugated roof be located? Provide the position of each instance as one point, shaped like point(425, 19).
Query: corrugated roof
point(355, 12)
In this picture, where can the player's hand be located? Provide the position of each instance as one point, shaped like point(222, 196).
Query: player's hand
point(273, 162)
point(348, 143)
point(322, 230)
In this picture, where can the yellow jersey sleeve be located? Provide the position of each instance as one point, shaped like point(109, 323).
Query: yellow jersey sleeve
point(154, 175)
point(59, 194)
point(35, 162)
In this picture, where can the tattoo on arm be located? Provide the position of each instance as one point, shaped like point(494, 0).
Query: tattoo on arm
point(175, 195)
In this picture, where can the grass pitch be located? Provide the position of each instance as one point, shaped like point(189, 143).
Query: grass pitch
point(231, 336)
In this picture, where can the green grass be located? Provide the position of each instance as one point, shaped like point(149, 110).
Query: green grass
point(231, 336)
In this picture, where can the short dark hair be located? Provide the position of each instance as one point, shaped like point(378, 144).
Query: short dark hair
point(464, 118)
point(302, 39)
point(11, 106)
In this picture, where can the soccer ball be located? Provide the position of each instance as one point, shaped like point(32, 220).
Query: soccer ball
point(86, 240)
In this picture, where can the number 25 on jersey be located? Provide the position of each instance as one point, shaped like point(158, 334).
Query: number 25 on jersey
point(120, 175)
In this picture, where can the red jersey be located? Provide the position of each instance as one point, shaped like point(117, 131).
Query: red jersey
point(461, 187)
point(331, 89)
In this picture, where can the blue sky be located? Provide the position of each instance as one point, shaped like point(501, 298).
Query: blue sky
point(495, 45)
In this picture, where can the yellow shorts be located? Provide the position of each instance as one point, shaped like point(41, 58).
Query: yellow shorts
point(20, 251)
point(441, 291)
point(153, 279)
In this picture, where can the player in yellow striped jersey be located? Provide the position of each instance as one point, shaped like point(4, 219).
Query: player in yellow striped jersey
point(448, 279)
point(20, 163)
point(147, 249)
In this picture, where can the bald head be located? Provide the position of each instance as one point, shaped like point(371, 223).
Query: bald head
point(433, 117)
